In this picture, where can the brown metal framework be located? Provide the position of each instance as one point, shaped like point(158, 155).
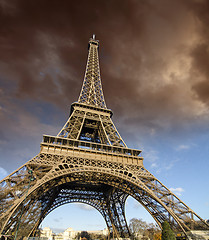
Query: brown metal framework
point(88, 162)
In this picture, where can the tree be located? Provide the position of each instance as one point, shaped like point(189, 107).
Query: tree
point(152, 230)
point(167, 233)
point(137, 226)
point(157, 236)
point(97, 236)
point(146, 230)
point(83, 235)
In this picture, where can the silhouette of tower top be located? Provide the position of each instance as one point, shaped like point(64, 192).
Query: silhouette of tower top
point(91, 92)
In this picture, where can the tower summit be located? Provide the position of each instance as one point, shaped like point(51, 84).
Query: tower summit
point(91, 92)
point(89, 162)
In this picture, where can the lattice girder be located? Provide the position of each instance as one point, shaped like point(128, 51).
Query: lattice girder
point(73, 126)
point(68, 193)
point(91, 124)
point(91, 92)
point(130, 179)
point(96, 196)
point(116, 210)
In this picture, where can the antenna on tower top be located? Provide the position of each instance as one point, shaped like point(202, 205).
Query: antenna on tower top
point(94, 36)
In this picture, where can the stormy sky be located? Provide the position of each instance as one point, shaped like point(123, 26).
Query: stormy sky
point(154, 59)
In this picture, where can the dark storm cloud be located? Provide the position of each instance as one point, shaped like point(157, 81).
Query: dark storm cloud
point(200, 53)
point(50, 38)
point(201, 65)
point(153, 56)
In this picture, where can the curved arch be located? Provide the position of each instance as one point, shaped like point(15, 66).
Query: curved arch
point(126, 184)
point(37, 224)
point(54, 170)
point(94, 196)
point(128, 179)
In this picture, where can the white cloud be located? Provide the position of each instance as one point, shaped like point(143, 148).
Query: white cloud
point(169, 166)
point(84, 206)
point(57, 219)
point(153, 165)
point(177, 191)
point(137, 205)
point(164, 167)
point(3, 173)
point(152, 131)
point(151, 155)
point(133, 202)
point(183, 147)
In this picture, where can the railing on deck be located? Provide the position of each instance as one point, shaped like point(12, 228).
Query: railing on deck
point(89, 145)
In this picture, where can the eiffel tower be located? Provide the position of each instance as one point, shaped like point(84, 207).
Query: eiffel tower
point(88, 162)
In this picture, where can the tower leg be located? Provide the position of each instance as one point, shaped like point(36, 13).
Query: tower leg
point(116, 212)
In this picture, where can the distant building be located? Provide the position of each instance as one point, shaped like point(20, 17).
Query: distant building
point(58, 236)
point(68, 234)
point(99, 232)
point(47, 233)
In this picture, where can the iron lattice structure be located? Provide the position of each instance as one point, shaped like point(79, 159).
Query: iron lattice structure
point(88, 162)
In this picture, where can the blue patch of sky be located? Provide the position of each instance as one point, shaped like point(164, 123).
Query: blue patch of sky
point(182, 161)
point(48, 113)
point(71, 215)
point(74, 216)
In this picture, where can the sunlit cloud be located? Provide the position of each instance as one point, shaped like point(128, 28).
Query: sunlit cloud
point(165, 166)
point(57, 219)
point(151, 156)
point(85, 207)
point(183, 147)
point(154, 165)
point(3, 173)
point(178, 191)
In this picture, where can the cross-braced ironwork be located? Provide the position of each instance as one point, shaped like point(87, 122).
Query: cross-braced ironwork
point(91, 92)
point(88, 162)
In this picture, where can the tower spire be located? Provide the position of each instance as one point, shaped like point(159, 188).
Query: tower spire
point(91, 92)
